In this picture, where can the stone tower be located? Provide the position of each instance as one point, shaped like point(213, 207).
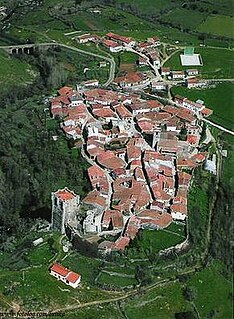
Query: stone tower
point(65, 204)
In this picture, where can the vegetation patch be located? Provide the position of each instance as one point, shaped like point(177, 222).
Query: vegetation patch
point(219, 25)
point(183, 18)
point(213, 292)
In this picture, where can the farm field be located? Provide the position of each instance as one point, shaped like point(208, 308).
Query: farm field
point(217, 63)
point(219, 25)
point(220, 99)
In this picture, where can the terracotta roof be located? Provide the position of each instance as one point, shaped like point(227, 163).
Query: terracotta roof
point(72, 277)
point(179, 208)
point(109, 160)
point(121, 243)
point(161, 219)
point(206, 112)
point(132, 77)
point(65, 194)
point(123, 112)
point(65, 90)
point(113, 216)
point(110, 43)
point(192, 139)
point(119, 37)
point(64, 272)
point(95, 198)
point(199, 157)
point(60, 270)
point(104, 113)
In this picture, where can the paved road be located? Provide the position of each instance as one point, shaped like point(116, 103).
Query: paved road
point(218, 126)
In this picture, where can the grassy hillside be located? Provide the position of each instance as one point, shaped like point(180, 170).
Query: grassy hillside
point(218, 24)
point(14, 71)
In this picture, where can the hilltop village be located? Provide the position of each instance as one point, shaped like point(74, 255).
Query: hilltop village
point(141, 154)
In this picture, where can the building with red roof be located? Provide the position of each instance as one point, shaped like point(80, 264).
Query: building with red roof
point(121, 39)
point(65, 275)
point(131, 79)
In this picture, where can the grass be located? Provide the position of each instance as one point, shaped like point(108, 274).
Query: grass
point(109, 311)
point(228, 163)
point(213, 292)
point(148, 6)
point(160, 303)
point(217, 63)
point(219, 25)
point(116, 280)
point(152, 241)
point(14, 71)
point(187, 19)
point(36, 289)
point(220, 99)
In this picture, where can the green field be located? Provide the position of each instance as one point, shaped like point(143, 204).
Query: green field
point(116, 280)
point(217, 63)
point(146, 6)
point(14, 71)
point(219, 25)
point(161, 303)
point(213, 292)
point(150, 242)
point(184, 18)
point(220, 99)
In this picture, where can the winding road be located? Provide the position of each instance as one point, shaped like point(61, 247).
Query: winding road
point(69, 47)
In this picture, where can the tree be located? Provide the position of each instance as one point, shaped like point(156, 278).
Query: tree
point(190, 293)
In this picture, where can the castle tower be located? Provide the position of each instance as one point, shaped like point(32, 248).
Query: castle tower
point(65, 205)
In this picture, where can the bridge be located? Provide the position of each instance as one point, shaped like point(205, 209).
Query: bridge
point(27, 48)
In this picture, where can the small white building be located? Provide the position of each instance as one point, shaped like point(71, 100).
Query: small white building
point(38, 241)
point(91, 83)
point(65, 275)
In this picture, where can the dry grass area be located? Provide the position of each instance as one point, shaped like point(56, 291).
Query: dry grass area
point(127, 67)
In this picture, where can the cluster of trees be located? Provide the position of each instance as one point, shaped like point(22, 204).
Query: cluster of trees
point(32, 164)
point(221, 246)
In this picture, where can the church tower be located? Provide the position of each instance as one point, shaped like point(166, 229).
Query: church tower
point(65, 204)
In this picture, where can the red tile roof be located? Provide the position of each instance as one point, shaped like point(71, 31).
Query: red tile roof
point(119, 37)
point(113, 216)
point(60, 270)
point(161, 219)
point(192, 139)
point(65, 194)
point(123, 112)
point(206, 112)
point(95, 198)
point(132, 77)
point(110, 43)
point(72, 277)
point(65, 90)
point(121, 243)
